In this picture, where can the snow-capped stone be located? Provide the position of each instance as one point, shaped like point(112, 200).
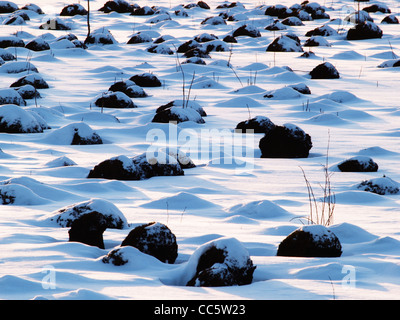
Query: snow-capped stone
point(221, 262)
point(382, 186)
point(313, 240)
point(155, 239)
point(67, 215)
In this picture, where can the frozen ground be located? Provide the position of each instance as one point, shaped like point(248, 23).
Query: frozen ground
point(259, 204)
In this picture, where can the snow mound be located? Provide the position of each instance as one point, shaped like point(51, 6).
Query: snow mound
point(381, 186)
point(240, 102)
point(263, 209)
point(60, 162)
point(179, 202)
point(19, 195)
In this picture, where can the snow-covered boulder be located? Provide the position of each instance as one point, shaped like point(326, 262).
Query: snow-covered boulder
point(160, 49)
point(324, 31)
point(324, 71)
point(358, 164)
point(138, 168)
point(382, 186)
point(188, 45)
point(34, 80)
point(7, 7)
point(292, 21)
point(140, 37)
point(275, 26)
point(89, 229)
point(247, 30)
point(73, 10)
point(120, 6)
point(28, 92)
point(78, 133)
point(14, 119)
point(65, 216)
point(180, 103)
point(279, 11)
point(38, 44)
point(213, 21)
point(155, 239)
point(221, 262)
point(146, 80)
point(18, 67)
point(377, 7)
point(287, 141)
point(205, 37)
point(177, 115)
point(285, 43)
point(33, 7)
point(143, 11)
point(129, 88)
point(115, 99)
point(311, 241)
point(316, 41)
point(258, 124)
point(10, 96)
point(101, 36)
point(6, 55)
point(364, 30)
point(390, 19)
point(15, 20)
point(11, 41)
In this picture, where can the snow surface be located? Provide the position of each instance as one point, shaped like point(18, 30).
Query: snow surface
point(257, 206)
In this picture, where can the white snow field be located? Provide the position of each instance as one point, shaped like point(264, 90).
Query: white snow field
point(252, 203)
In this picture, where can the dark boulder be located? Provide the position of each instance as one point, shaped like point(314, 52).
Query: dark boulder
point(28, 92)
point(143, 11)
point(259, 124)
point(390, 19)
point(11, 41)
point(377, 8)
point(358, 164)
point(155, 239)
point(199, 52)
point(137, 168)
point(310, 241)
point(279, 11)
point(188, 45)
point(364, 30)
point(73, 10)
point(285, 43)
point(146, 80)
point(324, 71)
point(288, 141)
point(247, 30)
point(89, 229)
point(8, 7)
point(129, 88)
point(177, 115)
point(114, 100)
point(119, 6)
point(222, 262)
point(37, 44)
point(33, 79)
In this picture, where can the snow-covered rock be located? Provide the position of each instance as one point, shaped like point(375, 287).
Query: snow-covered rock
point(14, 119)
point(65, 216)
point(78, 133)
point(155, 239)
point(311, 241)
point(137, 168)
point(382, 186)
point(287, 141)
point(221, 262)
